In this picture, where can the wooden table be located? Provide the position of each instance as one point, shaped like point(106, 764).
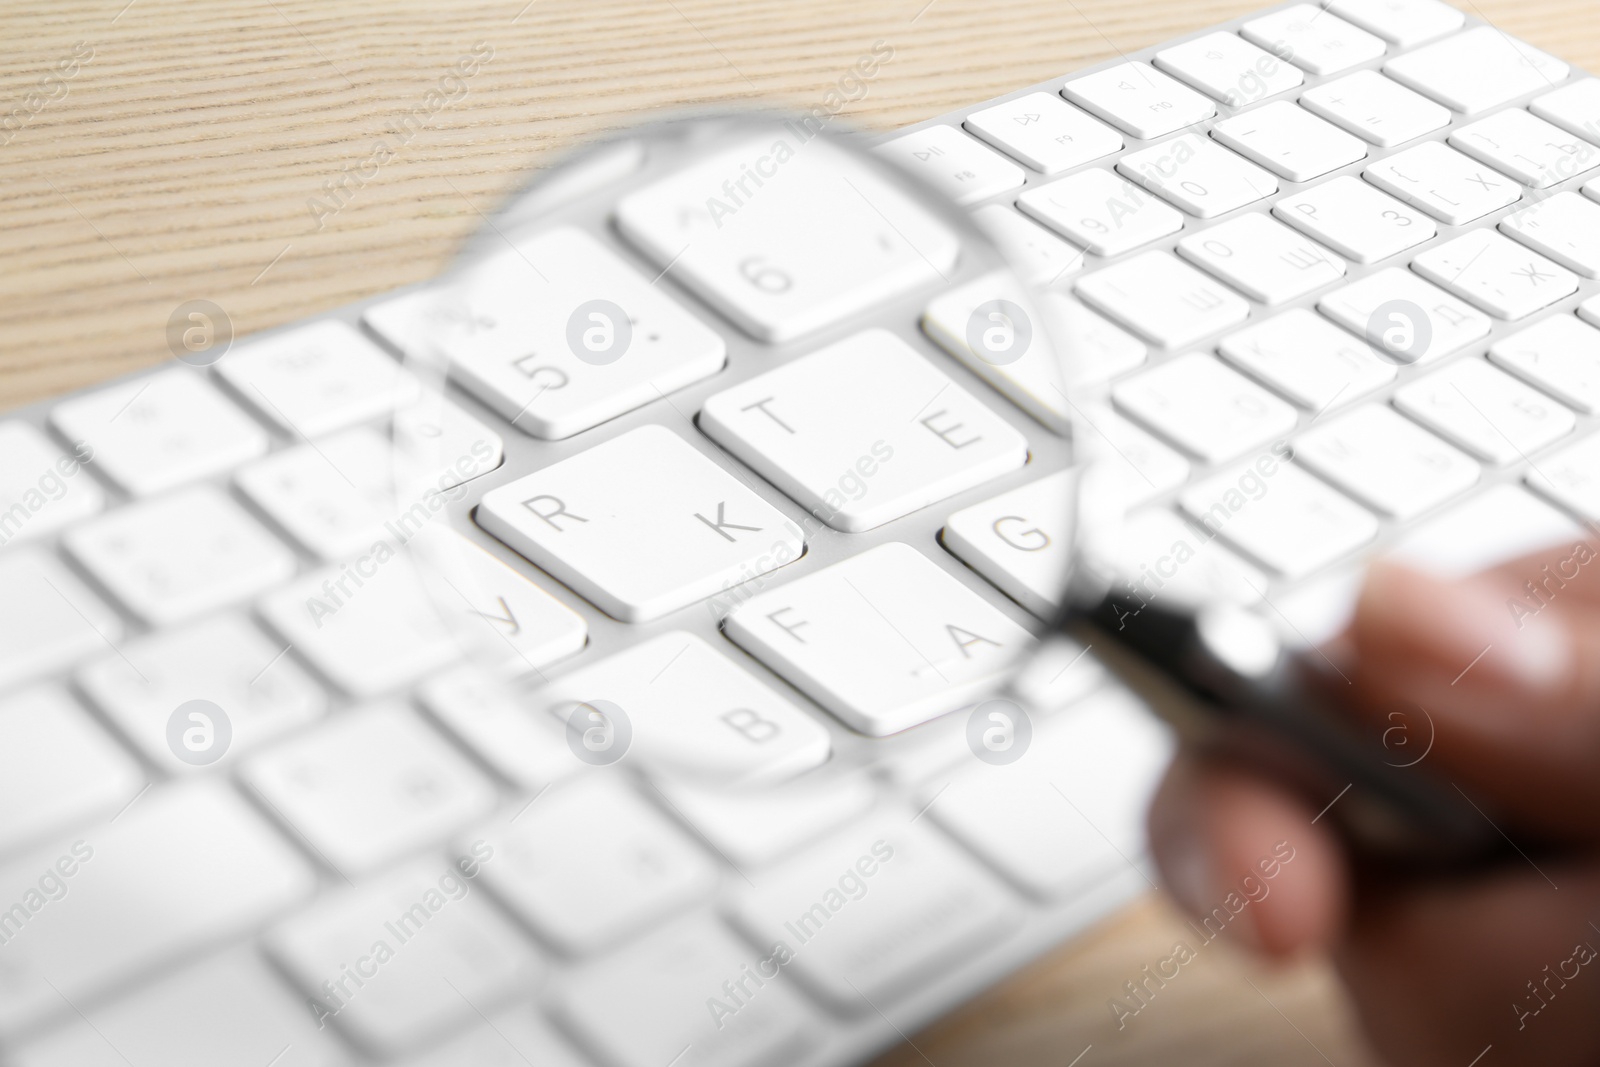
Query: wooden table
point(185, 155)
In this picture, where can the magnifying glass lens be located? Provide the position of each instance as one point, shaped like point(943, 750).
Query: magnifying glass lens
point(738, 355)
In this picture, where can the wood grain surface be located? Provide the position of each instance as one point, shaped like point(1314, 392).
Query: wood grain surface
point(184, 155)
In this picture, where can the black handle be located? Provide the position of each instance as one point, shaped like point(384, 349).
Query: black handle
point(1225, 680)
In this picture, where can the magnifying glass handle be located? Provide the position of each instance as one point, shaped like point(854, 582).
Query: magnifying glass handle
point(1224, 679)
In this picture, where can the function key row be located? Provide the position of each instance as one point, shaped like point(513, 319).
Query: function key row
point(1470, 72)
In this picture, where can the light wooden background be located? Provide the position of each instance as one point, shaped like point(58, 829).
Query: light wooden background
point(180, 160)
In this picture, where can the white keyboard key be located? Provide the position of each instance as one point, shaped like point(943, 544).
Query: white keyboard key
point(1204, 408)
point(422, 322)
point(1376, 109)
point(1044, 132)
point(661, 1002)
point(440, 443)
point(1531, 150)
point(483, 328)
point(954, 164)
point(519, 1037)
point(384, 619)
point(1381, 306)
point(1571, 477)
point(408, 957)
point(884, 640)
point(1295, 525)
point(865, 430)
point(160, 431)
point(1163, 299)
point(937, 749)
point(1386, 461)
point(1485, 411)
point(179, 556)
point(369, 786)
point(334, 497)
point(368, 636)
point(642, 525)
point(1157, 557)
point(1068, 816)
point(1355, 220)
point(1036, 380)
point(1139, 100)
point(555, 363)
point(505, 619)
point(42, 486)
point(490, 717)
point(57, 769)
point(1039, 257)
point(1402, 23)
point(51, 620)
point(1104, 213)
point(1501, 524)
point(1561, 355)
point(754, 827)
point(1198, 175)
point(225, 660)
point(330, 496)
point(226, 1009)
point(1574, 107)
point(1099, 351)
point(1565, 227)
point(887, 883)
point(194, 860)
point(1497, 274)
point(1313, 40)
point(694, 714)
point(1308, 359)
point(590, 862)
point(1477, 70)
point(1228, 69)
point(825, 239)
point(1290, 141)
point(940, 746)
point(1134, 464)
point(1451, 187)
point(315, 379)
point(1264, 259)
point(1020, 541)
point(1589, 311)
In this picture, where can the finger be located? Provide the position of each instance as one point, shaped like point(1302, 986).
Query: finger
point(1564, 572)
point(1443, 972)
point(1456, 642)
point(1513, 702)
point(1246, 861)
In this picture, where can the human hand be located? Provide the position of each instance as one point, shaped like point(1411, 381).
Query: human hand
point(1439, 970)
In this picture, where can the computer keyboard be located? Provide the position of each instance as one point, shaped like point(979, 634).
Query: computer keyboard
point(374, 855)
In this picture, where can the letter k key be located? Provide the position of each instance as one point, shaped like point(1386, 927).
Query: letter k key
point(722, 526)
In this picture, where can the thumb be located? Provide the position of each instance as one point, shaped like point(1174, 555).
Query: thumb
point(1508, 684)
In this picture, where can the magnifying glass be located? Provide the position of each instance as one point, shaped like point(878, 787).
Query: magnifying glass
point(782, 239)
point(734, 351)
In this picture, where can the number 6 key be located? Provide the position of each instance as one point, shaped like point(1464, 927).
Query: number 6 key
point(786, 237)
